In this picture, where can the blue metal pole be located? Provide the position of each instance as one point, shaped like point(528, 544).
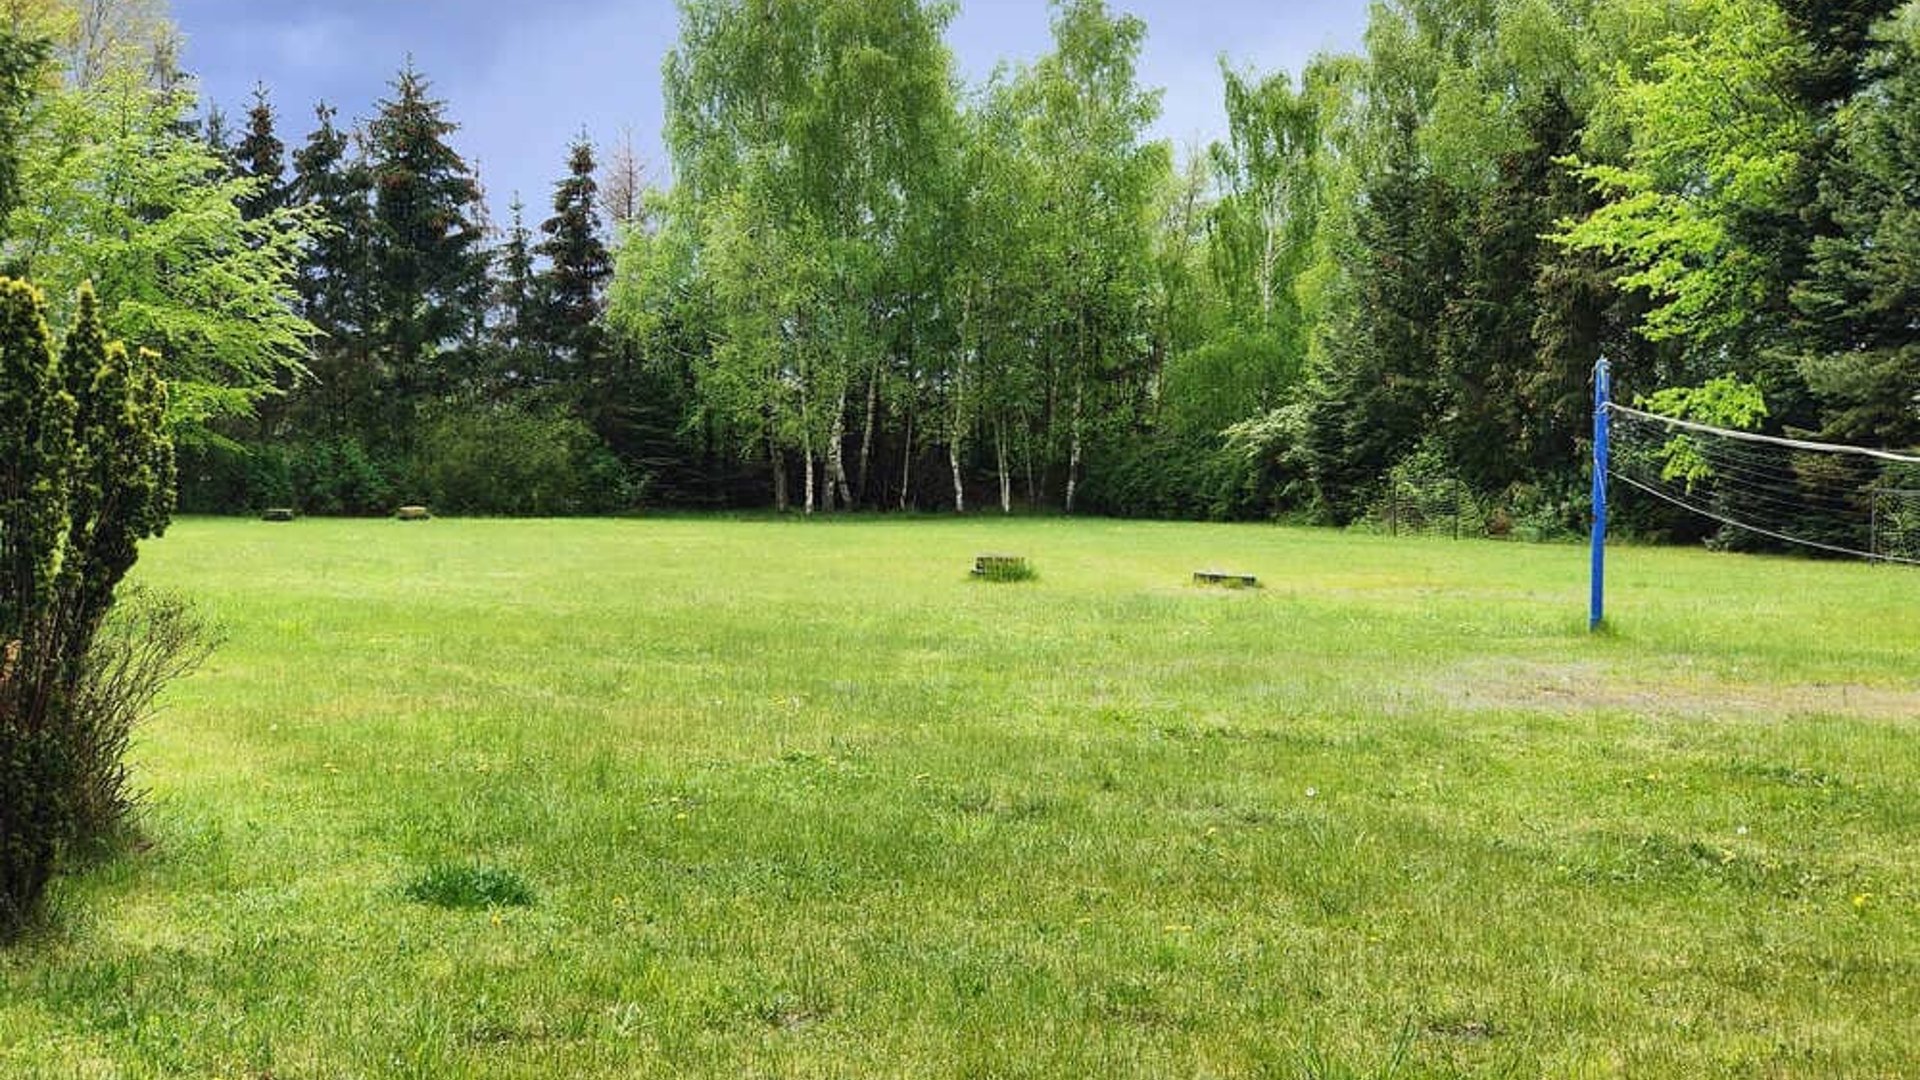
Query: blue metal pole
point(1602, 456)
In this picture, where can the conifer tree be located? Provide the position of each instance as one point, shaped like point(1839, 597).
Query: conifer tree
point(517, 320)
point(1858, 301)
point(430, 271)
point(261, 156)
point(1373, 406)
point(336, 279)
point(623, 185)
point(86, 473)
point(571, 290)
point(217, 132)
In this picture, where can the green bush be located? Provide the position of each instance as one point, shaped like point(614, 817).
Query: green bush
point(147, 641)
point(1424, 493)
point(1170, 478)
point(512, 461)
point(86, 473)
point(326, 477)
point(1006, 571)
point(334, 477)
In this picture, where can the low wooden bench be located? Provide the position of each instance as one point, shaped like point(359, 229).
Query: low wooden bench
point(278, 514)
point(1225, 579)
point(414, 513)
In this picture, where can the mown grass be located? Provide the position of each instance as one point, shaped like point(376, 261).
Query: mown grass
point(801, 799)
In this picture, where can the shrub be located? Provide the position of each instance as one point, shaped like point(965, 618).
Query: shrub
point(515, 461)
point(86, 473)
point(218, 476)
point(148, 640)
point(327, 477)
point(1424, 494)
point(1181, 479)
point(337, 477)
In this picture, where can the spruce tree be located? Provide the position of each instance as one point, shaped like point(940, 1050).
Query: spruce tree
point(262, 157)
point(1373, 405)
point(1857, 303)
point(515, 358)
point(571, 290)
point(217, 132)
point(1515, 361)
point(430, 271)
point(335, 282)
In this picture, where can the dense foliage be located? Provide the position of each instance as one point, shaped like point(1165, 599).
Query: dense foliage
point(86, 473)
point(870, 285)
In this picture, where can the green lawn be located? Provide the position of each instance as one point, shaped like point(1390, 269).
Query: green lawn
point(800, 799)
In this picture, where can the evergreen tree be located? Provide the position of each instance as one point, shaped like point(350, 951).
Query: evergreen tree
point(1513, 407)
point(1380, 397)
point(260, 156)
point(217, 132)
point(86, 473)
point(571, 290)
point(429, 276)
point(515, 357)
point(1858, 301)
point(335, 283)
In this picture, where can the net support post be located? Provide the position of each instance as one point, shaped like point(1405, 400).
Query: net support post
point(1602, 462)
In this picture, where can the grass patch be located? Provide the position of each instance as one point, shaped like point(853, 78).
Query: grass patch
point(469, 887)
point(839, 813)
point(1004, 569)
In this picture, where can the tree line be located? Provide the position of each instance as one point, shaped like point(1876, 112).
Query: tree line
point(871, 285)
point(1402, 263)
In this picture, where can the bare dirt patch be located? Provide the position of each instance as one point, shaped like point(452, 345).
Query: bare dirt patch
point(1588, 687)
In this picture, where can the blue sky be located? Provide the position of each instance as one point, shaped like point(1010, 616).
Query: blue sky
point(521, 78)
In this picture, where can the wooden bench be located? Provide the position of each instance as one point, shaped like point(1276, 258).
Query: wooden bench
point(278, 515)
point(1225, 579)
point(414, 513)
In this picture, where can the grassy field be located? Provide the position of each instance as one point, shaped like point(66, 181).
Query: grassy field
point(802, 800)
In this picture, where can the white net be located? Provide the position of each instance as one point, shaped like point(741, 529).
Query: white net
point(1840, 499)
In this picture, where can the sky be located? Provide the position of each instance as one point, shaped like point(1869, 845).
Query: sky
point(523, 79)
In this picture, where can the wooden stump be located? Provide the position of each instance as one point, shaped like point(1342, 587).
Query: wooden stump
point(1225, 579)
point(280, 514)
point(414, 513)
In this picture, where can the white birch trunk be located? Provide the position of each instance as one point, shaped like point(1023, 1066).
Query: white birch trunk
point(1006, 476)
point(1073, 456)
point(906, 467)
point(959, 486)
point(866, 439)
point(836, 462)
point(806, 452)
